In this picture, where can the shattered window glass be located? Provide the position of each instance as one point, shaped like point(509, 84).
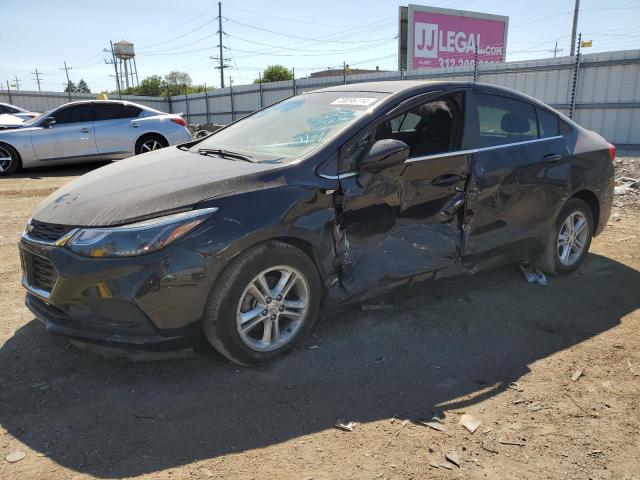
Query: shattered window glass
point(295, 127)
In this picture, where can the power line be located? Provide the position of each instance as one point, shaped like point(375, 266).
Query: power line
point(179, 36)
point(294, 20)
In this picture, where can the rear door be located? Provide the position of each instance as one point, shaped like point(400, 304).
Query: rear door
point(71, 136)
point(116, 128)
point(519, 175)
point(404, 220)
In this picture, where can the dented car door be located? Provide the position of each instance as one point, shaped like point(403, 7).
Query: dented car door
point(402, 221)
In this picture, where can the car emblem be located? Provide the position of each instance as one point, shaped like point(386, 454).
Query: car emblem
point(29, 228)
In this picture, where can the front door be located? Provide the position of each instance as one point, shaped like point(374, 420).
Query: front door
point(405, 220)
point(70, 136)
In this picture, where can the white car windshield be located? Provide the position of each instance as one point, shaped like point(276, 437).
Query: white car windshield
point(293, 128)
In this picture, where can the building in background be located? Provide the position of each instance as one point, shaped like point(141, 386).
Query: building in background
point(334, 72)
point(430, 37)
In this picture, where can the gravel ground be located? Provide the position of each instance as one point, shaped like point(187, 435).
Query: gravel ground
point(491, 346)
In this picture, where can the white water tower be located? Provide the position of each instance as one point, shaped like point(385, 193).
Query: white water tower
point(123, 51)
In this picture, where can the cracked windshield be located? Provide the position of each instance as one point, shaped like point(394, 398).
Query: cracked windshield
point(293, 128)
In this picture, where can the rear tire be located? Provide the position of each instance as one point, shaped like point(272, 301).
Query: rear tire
point(263, 304)
point(149, 143)
point(569, 240)
point(9, 160)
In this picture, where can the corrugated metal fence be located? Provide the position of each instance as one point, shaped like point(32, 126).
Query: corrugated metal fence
point(607, 95)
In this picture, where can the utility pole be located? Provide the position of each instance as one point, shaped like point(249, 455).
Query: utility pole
point(66, 71)
point(344, 72)
point(9, 91)
point(115, 67)
point(37, 79)
point(221, 58)
point(556, 50)
point(17, 81)
point(575, 28)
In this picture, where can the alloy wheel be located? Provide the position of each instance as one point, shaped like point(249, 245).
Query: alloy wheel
point(572, 238)
point(150, 145)
point(272, 308)
point(5, 160)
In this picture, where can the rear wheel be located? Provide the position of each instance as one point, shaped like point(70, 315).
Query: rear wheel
point(9, 160)
point(150, 143)
point(569, 241)
point(263, 304)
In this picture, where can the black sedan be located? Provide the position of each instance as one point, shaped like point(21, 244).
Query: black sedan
point(324, 198)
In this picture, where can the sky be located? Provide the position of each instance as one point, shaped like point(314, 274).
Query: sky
point(307, 36)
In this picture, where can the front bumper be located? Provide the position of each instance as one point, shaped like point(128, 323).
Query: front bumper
point(149, 302)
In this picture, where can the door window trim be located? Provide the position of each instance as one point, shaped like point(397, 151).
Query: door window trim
point(470, 151)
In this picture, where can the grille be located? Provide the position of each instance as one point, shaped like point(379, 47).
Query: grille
point(40, 272)
point(48, 232)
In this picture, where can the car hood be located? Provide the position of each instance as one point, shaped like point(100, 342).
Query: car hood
point(152, 183)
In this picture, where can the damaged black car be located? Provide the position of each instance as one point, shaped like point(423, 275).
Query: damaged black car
point(325, 198)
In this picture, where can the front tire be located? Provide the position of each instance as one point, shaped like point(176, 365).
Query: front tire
point(9, 160)
point(264, 302)
point(569, 240)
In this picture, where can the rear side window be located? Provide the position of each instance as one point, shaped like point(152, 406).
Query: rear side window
point(74, 114)
point(503, 120)
point(548, 124)
point(114, 111)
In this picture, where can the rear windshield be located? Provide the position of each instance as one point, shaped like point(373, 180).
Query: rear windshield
point(293, 128)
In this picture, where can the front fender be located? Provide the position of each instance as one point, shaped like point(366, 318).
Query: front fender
point(303, 215)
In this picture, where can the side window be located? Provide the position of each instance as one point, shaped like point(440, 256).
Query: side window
point(406, 122)
point(131, 112)
point(548, 124)
point(74, 114)
point(114, 111)
point(503, 120)
point(428, 129)
point(3, 109)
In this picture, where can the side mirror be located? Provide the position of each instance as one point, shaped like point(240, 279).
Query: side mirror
point(48, 122)
point(384, 154)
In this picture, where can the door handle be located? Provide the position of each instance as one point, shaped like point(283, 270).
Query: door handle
point(552, 158)
point(447, 179)
point(85, 130)
point(135, 125)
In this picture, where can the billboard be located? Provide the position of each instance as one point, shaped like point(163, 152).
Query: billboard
point(442, 38)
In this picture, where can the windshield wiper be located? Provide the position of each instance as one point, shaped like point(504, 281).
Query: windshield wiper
point(225, 154)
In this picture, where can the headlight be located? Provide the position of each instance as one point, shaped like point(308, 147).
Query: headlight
point(136, 238)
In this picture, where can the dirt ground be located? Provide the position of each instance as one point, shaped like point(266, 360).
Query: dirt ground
point(489, 345)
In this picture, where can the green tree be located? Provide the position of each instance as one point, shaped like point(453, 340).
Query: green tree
point(83, 87)
point(275, 73)
point(71, 87)
point(151, 86)
point(176, 82)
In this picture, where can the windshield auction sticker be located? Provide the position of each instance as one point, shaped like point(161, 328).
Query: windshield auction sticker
point(363, 101)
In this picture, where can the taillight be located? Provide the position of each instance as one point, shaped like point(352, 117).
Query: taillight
point(612, 152)
point(179, 121)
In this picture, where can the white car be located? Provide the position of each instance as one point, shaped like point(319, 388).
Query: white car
point(89, 131)
point(6, 108)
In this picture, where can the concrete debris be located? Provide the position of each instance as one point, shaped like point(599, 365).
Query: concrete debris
point(576, 375)
point(453, 457)
point(532, 274)
point(448, 466)
point(15, 456)
point(433, 422)
point(624, 185)
point(470, 422)
point(343, 425)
